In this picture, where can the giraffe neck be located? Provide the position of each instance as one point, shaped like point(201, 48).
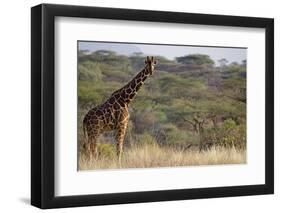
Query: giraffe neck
point(129, 91)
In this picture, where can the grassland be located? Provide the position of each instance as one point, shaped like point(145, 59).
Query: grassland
point(148, 156)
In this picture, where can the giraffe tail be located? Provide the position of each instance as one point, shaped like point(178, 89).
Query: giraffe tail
point(85, 140)
point(84, 130)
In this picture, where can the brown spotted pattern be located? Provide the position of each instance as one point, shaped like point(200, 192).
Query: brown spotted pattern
point(113, 114)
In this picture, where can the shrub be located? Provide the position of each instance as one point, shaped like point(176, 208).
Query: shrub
point(228, 135)
point(169, 134)
point(106, 150)
point(144, 121)
point(89, 71)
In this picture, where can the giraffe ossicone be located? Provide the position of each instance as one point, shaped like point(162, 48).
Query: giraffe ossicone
point(113, 114)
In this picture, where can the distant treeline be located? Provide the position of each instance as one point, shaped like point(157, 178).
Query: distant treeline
point(188, 101)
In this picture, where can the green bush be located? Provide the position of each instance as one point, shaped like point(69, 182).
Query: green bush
point(229, 134)
point(106, 150)
point(170, 134)
point(89, 71)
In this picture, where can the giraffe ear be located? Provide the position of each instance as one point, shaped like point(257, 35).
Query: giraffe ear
point(155, 62)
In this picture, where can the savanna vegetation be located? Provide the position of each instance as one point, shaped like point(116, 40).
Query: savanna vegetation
point(190, 112)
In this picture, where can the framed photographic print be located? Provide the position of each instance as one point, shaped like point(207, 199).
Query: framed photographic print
point(139, 106)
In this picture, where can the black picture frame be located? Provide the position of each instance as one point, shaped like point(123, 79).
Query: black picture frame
point(43, 102)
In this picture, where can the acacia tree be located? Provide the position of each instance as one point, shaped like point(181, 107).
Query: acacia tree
point(237, 92)
point(194, 113)
point(223, 63)
point(196, 59)
point(204, 115)
point(244, 63)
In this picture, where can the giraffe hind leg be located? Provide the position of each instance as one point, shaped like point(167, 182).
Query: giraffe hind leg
point(91, 145)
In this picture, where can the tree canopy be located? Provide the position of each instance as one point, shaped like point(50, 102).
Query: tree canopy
point(196, 59)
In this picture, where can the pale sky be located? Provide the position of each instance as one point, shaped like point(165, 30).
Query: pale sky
point(168, 51)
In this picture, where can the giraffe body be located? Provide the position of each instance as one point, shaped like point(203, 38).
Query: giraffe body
point(113, 114)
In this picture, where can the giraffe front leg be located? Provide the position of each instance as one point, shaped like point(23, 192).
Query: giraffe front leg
point(120, 140)
point(119, 145)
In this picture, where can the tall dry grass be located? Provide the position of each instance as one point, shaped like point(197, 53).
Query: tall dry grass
point(148, 156)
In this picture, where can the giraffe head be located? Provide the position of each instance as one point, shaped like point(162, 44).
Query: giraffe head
point(150, 63)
